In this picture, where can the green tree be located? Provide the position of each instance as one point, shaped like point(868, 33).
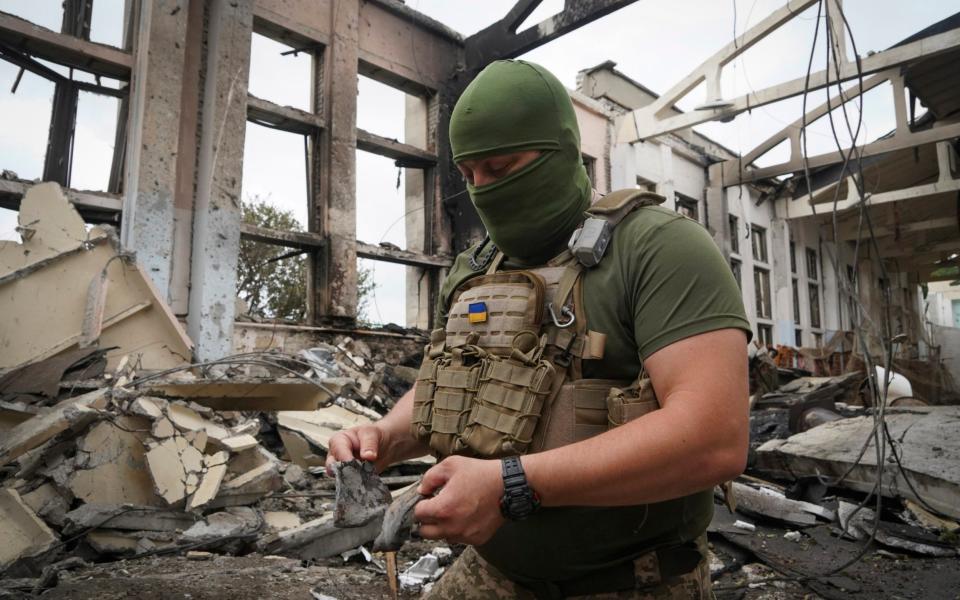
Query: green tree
point(272, 280)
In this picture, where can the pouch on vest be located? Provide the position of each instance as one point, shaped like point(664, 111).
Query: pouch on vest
point(631, 402)
point(421, 424)
point(457, 380)
point(510, 399)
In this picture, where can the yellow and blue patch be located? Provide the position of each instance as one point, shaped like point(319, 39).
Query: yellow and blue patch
point(477, 312)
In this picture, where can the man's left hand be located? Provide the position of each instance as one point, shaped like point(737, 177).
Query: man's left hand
point(467, 508)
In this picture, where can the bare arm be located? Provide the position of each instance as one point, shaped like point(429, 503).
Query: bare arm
point(384, 442)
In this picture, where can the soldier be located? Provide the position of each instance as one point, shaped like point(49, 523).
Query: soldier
point(583, 400)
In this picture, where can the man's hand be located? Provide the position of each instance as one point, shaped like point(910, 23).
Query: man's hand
point(467, 508)
point(366, 442)
point(383, 443)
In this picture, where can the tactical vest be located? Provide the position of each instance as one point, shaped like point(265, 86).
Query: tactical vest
point(505, 377)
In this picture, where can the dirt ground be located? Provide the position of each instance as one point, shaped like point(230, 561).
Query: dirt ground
point(251, 577)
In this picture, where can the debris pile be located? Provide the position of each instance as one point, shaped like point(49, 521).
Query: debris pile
point(844, 496)
point(113, 445)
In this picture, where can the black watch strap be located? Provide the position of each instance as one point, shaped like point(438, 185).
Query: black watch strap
point(518, 501)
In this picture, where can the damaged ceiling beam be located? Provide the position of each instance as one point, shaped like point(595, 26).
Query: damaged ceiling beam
point(501, 40)
point(67, 50)
point(300, 240)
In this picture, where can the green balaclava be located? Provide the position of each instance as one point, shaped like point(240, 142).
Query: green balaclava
point(513, 106)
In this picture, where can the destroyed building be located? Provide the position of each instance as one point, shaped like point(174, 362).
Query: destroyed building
point(143, 416)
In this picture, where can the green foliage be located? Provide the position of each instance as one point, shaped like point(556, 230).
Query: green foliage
point(271, 281)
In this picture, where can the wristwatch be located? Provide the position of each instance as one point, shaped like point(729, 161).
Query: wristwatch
point(518, 501)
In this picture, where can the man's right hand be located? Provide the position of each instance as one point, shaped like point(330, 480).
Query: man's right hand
point(364, 442)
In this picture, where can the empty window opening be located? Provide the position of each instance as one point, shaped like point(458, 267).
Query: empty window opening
point(279, 74)
point(687, 206)
point(271, 280)
point(381, 202)
point(544, 11)
point(382, 292)
point(26, 122)
point(44, 14)
point(758, 239)
point(106, 22)
point(761, 285)
point(275, 171)
point(765, 335)
point(734, 223)
point(93, 142)
point(381, 109)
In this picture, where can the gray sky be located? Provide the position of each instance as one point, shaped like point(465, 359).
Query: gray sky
point(656, 42)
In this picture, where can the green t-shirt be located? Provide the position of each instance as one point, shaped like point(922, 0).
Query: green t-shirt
point(661, 280)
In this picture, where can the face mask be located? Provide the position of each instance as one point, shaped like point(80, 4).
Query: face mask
point(514, 106)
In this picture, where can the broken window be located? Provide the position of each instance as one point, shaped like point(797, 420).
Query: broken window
point(796, 301)
point(758, 239)
point(793, 257)
point(734, 223)
point(765, 334)
point(761, 283)
point(814, 306)
point(93, 142)
point(687, 207)
point(812, 264)
point(735, 267)
point(279, 241)
point(798, 338)
point(590, 164)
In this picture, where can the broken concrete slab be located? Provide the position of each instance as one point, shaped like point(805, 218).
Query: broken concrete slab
point(130, 518)
point(22, 534)
point(70, 413)
point(858, 522)
point(319, 426)
point(928, 444)
point(48, 503)
point(772, 504)
point(238, 443)
point(361, 495)
point(163, 428)
point(175, 466)
point(43, 377)
point(45, 282)
point(318, 538)
point(226, 525)
point(111, 465)
point(114, 542)
point(186, 419)
point(144, 406)
point(215, 468)
point(248, 394)
point(280, 520)
point(300, 451)
point(15, 413)
point(250, 486)
point(48, 225)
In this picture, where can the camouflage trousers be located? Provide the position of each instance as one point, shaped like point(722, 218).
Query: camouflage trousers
point(472, 578)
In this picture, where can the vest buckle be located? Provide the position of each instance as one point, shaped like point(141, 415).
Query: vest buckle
point(564, 312)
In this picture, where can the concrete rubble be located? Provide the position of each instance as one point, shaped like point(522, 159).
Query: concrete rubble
point(110, 451)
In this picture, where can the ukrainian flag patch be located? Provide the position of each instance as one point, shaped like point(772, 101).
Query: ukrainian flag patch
point(477, 312)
